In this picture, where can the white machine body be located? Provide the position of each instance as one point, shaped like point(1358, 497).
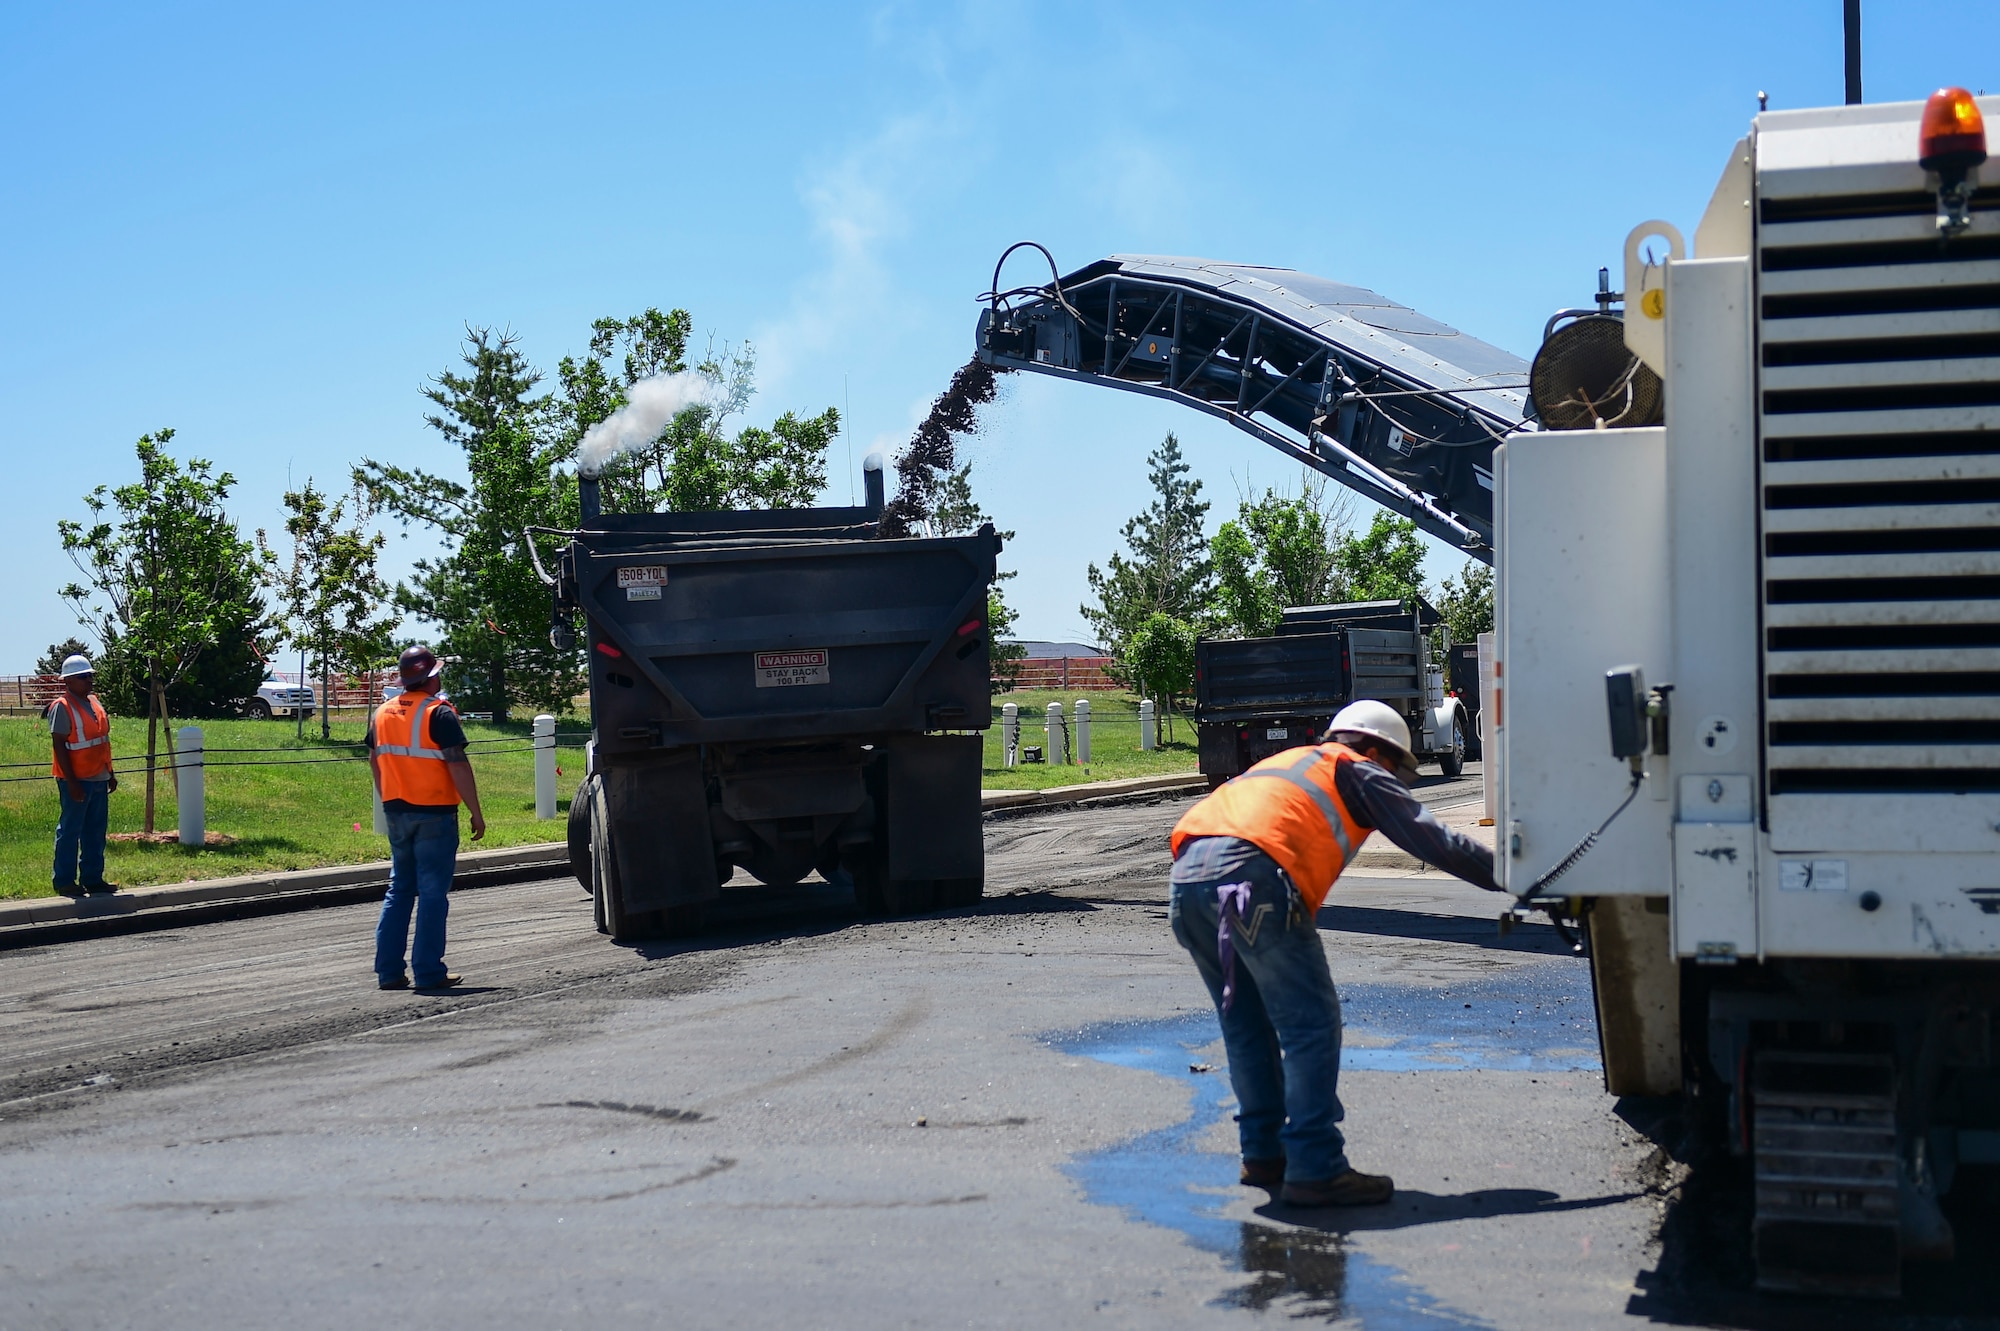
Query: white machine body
point(1808, 551)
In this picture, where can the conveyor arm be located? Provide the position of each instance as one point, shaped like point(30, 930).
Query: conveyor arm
point(1394, 405)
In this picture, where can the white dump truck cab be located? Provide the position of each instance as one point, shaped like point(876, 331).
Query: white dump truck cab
point(1785, 598)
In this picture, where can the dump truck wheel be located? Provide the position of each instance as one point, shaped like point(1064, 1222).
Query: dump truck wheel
point(909, 896)
point(681, 921)
point(960, 893)
point(612, 918)
point(867, 872)
point(1452, 761)
point(579, 838)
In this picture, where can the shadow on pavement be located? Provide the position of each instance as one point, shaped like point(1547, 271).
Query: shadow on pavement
point(1527, 937)
point(752, 912)
point(1411, 1207)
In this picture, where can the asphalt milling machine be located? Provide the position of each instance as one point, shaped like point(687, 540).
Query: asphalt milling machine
point(1751, 519)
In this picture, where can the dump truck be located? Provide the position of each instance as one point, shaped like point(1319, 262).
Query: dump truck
point(1759, 534)
point(783, 691)
point(1257, 696)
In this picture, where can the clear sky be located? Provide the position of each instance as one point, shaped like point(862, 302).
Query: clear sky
point(267, 225)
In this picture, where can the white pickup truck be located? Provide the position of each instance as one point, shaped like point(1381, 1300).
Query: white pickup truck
point(279, 697)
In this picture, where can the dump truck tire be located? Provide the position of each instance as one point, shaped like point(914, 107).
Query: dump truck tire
point(960, 893)
point(1452, 761)
point(612, 918)
point(579, 837)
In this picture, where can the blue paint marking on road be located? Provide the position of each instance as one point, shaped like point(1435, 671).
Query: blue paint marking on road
point(1165, 1179)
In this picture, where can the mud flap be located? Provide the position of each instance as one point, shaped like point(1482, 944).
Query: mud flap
point(934, 817)
point(658, 825)
point(1636, 983)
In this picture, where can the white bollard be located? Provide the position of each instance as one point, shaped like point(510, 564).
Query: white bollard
point(1149, 727)
point(1058, 750)
point(1083, 731)
point(1010, 733)
point(188, 771)
point(381, 818)
point(545, 767)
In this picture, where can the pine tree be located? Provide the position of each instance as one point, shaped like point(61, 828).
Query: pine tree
point(1166, 569)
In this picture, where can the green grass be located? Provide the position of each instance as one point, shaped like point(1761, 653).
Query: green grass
point(300, 815)
point(289, 816)
point(1114, 742)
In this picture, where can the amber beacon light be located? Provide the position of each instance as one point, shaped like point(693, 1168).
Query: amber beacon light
point(1952, 142)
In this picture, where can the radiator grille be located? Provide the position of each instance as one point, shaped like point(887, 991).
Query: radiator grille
point(1879, 420)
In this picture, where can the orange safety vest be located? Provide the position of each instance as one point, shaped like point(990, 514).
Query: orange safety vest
point(89, 752)
point(413, 769)
point(1289, 807)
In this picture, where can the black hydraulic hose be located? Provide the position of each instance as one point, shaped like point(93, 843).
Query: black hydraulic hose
point(1582, 848)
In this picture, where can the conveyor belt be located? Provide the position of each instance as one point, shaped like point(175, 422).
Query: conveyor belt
point(1395, 405)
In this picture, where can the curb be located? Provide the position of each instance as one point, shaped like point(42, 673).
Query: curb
point(205, 901)
point(1057, 797)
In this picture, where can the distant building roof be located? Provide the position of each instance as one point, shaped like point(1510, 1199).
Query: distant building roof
point(1044, 651)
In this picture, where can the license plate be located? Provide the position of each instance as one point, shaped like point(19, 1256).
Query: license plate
point(643, 582)
point(786, 670)
point(1278, 732)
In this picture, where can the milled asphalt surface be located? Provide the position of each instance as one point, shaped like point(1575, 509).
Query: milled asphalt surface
point(803, 1120)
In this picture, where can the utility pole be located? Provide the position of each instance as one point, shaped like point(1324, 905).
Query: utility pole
point(1851, 21)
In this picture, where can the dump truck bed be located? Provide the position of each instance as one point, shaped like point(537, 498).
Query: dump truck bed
point(739, 627)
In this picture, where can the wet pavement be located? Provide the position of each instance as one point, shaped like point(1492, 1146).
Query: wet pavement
point(985, 1119)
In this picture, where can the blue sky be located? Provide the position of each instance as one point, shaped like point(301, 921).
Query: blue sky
point(266, 226)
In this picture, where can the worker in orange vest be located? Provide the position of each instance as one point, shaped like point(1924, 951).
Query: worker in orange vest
point(416, 747)
point(1252, 863)
point(80, 730)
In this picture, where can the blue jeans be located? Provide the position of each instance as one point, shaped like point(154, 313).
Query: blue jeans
point(1282, 1030)
point(80, 834)
point(423, 851)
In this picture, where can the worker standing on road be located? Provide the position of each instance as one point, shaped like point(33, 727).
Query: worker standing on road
point(80, 730)
point(1252, 863)
point(416, 748)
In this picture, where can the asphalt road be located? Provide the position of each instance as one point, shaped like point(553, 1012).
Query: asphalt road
point(1009, 1117)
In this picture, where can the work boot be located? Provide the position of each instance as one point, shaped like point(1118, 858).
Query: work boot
point(1353, 1188)
point(100, 889)
point(1266, 1174)
point(450, 979)
point(394, 982)
point(68, 890)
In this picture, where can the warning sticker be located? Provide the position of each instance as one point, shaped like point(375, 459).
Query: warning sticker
point(1812, 875)
point(784, 670)
point(643, 582)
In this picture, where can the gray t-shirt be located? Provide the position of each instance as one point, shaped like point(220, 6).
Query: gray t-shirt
point(63, 724)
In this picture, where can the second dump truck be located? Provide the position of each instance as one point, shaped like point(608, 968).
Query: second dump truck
point(1257, 696)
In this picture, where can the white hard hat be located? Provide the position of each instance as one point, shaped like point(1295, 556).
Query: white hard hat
point(1378, 720)
point(77, 665)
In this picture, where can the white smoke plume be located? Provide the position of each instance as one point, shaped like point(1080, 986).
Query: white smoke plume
point(649, 406)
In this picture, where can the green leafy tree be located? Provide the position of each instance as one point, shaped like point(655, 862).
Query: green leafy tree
point(695, 464)
point(1166, 569)
point(1159, 657)
point(335, 602)
point(957, 513)
point(1384, 563)
point(1278, 552)
point(50, 662)
point(165, 576)
point(483, 592)
point(1466, 602)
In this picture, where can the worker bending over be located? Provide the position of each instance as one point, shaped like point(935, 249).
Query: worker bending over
point(1252, 863)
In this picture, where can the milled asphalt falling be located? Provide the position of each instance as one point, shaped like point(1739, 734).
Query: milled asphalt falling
point(990, 1118)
